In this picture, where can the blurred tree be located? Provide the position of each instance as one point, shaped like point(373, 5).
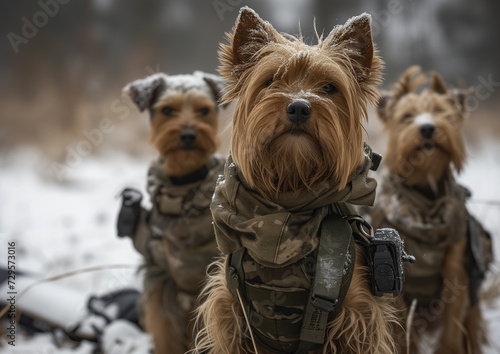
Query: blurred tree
point(81, 58)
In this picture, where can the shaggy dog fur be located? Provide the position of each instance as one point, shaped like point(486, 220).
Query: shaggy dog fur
point(267, 71)
point(422, 159)
point(183, 113)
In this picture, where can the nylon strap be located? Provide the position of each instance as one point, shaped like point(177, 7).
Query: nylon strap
point(234, 273)
point(335, 258)
point(294, 296)
point(334, 268)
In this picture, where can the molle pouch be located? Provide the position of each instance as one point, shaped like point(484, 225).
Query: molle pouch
point(130, 212)
point(386, 256)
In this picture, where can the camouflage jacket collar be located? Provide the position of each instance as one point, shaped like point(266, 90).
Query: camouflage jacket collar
point(439, 221)
point(280, 232)
point(179, 199)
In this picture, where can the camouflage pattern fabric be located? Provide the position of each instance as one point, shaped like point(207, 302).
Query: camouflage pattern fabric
point(280, 237)
point(279, 232)
point(427, 226)
point(178, 225)
point(279, 297)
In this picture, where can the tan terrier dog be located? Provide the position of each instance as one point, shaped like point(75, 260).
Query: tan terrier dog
point(176, 236)
point(420, 198)
point(297, 158)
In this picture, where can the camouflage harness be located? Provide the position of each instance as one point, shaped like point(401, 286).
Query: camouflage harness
point(429, 227)
point(288, 305)
point(175, 237)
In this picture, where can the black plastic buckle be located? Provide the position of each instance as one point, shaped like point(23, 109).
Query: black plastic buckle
point(323, 304)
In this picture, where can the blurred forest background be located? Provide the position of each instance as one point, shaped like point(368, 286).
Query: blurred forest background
point(66, 77)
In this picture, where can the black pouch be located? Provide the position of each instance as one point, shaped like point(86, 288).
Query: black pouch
point(386, 255)
point(130, 212)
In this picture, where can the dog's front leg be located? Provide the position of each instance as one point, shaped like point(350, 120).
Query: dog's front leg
point(455, 300)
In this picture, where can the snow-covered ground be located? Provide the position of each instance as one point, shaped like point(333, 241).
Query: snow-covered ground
point(59, 227)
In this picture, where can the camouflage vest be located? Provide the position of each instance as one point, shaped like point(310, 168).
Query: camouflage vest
point(429, 227)
point(176, 236)
point(277, 243)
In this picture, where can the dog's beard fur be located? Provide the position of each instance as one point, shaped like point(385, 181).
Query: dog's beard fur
point(166, 131)
point(176, 104)
point(267, 72)
point(177, 160)
point(276, 155)
point(419, 161)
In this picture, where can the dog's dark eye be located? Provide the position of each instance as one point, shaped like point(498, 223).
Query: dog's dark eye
point(167, 111)
point(407, 116)
point(329, 89)
point(268, 82)
point(204, 111)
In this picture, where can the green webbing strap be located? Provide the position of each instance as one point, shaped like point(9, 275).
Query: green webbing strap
point(268, 325)
point(342, 209)
point(334, 268)
point(234, 273)
point(295, 297)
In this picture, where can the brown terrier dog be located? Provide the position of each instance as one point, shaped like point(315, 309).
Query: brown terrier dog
point(297, 158)
point(176, 236)
point(420, 198)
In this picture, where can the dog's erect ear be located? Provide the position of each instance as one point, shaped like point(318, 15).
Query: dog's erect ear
point(249, 35)
point(460, 97)
point(408, 81)
point(457, 95)
point(437, 84)
point(216, 84)
point(356, 35)
point(355, 38)
point(145, 92)
point(354, 41)
point(382, 105)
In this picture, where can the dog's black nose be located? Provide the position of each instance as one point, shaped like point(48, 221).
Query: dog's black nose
point(298, 111)
point(427, 130)
point(188, 137)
